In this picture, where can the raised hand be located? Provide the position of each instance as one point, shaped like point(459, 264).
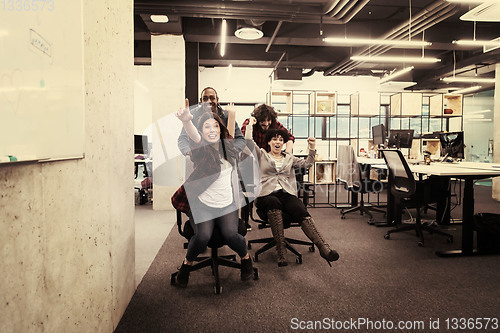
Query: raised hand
point(252, 121)
point(184, 115)
point(312, 142)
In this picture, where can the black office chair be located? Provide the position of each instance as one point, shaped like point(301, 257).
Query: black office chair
point(361, 184)
point(216, 242)
point(409, 193)
point(269, 242)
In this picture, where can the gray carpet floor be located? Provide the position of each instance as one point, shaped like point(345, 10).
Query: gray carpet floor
point(376, 281)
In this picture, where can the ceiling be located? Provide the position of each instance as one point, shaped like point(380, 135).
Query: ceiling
point(294, 31)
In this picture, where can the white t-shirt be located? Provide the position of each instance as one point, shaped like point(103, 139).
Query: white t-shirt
point(220, 193)
point(279, 165)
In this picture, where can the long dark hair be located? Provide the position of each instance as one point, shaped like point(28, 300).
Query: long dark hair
point(226, 141)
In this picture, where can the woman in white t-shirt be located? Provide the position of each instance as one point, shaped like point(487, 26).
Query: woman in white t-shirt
point(208, 195)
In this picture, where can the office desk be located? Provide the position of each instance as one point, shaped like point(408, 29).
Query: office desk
point(468, 172)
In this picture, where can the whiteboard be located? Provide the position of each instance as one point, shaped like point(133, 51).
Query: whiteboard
point(41, 80)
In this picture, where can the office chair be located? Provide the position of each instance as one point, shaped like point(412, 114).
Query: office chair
point(356, 177)
point(214, 260)
point(303, 190)
point(407, 192)
point(269, 242)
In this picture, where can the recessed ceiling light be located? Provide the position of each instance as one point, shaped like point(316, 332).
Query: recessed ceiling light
point(248, 33)
point(159, 18)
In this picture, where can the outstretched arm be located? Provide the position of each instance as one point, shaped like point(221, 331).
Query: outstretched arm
point(186, 117)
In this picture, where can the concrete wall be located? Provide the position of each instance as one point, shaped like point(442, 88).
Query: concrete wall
point(67, 240)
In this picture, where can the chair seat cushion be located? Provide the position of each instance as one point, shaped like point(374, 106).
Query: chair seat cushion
point(216, 240)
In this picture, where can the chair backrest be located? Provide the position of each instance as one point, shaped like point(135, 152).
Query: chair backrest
point(401, 178)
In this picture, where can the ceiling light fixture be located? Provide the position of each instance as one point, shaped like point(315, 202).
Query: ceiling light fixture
point(467, 90)
point(476, 42)
point(365, 41)
point(468, 79)
point(395, 74)
point(223, 38)
point(421, 60)
point(248, 33)
point(159, 18)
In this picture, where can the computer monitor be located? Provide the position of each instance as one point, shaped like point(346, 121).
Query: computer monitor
point(400, 138)
point(378, 134)
point(140, 144)
point(452, 145)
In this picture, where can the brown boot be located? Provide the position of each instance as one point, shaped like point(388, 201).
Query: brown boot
point(275, 219)
point(313, 234)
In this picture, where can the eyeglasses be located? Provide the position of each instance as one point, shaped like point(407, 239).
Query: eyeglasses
point(206, 98)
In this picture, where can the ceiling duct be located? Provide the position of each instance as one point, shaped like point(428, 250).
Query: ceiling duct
point(429, 16)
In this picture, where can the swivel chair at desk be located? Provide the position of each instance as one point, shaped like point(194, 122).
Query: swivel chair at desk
point(356, 178)
point(216, 242)
point(407, 192)
point(288, 222)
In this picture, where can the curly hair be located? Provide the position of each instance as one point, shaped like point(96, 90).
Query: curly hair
point(276, 132)
point(263, 112)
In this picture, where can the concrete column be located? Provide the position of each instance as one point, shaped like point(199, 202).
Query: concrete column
point(496, 136)
point(168, 79)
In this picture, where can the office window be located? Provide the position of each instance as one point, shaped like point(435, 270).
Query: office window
point(415, 124)
point(300, 126)
point(284, 121)
point(342, 127)
point(395, 123)
point(333, 127)
point(354, 127)
point(434, 125)
point(343, 109)
point(365, 129)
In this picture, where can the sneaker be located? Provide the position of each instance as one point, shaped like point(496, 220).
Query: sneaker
point(182, 277)
point(246, 269)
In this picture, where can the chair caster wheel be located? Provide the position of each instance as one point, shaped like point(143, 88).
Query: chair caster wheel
point(298, 260)
point(218, 290)
point(421, 244)
point(255, 274)
point(256, 258)
point(311, 248)
point(449, 240)
point(387, 236)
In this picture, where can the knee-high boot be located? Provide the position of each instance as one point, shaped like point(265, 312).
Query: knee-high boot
point(275, 219)
point(314, 235)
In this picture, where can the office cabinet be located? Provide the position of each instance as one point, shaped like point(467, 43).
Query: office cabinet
point(281, 101)
point(446, 105)
point(406, 104)
point(365, 104)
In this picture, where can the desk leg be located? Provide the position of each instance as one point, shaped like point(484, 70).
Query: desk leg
point(393, 213)
point(467, 224)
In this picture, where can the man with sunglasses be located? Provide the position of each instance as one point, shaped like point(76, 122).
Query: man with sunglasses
point(209, 101)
